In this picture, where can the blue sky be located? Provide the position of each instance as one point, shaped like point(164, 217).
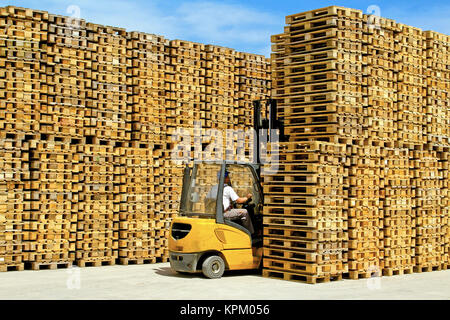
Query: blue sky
point(242, 25)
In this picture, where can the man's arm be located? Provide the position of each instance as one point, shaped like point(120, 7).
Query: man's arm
point(242, 200)
point(238, 199)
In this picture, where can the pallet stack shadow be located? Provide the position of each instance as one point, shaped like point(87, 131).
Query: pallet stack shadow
point(23, 87)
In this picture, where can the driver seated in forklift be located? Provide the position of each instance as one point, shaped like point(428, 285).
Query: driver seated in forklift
point(230, 195)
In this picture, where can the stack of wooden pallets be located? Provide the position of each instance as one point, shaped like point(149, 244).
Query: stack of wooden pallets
point(149, 57)
point(318, 76)
point(253, 74)
point(184, 103)
point(379, 113)
point(108, 123)
point(23, 89)
point(69, 56)
point(98, 207)
point(92, 109)
point(438, 88)
point(52, 222)
point(54, 152)
point(431, 198)
point(318, 69)
point(14, 171)
point(142, 221)
point(379, 131)
point(437, 119)
point(111, 113)
point(305, 224)
point(220, 82)
point(23, 75)
point(411, 87)
point(399, 223)
point(185, 83)
point(393, 126)
point(381, 88)
point(365, 211)
point(142, 214)
point(445, 213)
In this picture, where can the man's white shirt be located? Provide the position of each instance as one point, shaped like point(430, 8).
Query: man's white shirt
point(228, 195)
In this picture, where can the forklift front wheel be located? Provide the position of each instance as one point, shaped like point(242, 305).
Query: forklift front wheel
point(213, 267)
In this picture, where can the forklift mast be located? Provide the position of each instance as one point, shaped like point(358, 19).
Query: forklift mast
point(267, 126)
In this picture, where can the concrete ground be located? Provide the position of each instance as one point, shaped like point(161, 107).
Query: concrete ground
point(159, 282)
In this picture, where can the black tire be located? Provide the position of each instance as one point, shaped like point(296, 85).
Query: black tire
point(213, 267)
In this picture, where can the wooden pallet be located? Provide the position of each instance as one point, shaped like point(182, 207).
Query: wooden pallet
point(427, 268)
point(284, 275)
point(14, 267)
point(356, 275)
point(48, 265)
point(95, 263)
point(399, 271)
point(275, 231)
point(129, 261)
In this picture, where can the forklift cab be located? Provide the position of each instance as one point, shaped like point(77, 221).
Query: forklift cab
point(201, 238)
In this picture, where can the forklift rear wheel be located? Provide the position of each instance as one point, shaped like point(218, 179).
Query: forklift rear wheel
point(213, 267)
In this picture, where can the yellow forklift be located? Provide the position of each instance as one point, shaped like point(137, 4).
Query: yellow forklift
point(201, 239)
